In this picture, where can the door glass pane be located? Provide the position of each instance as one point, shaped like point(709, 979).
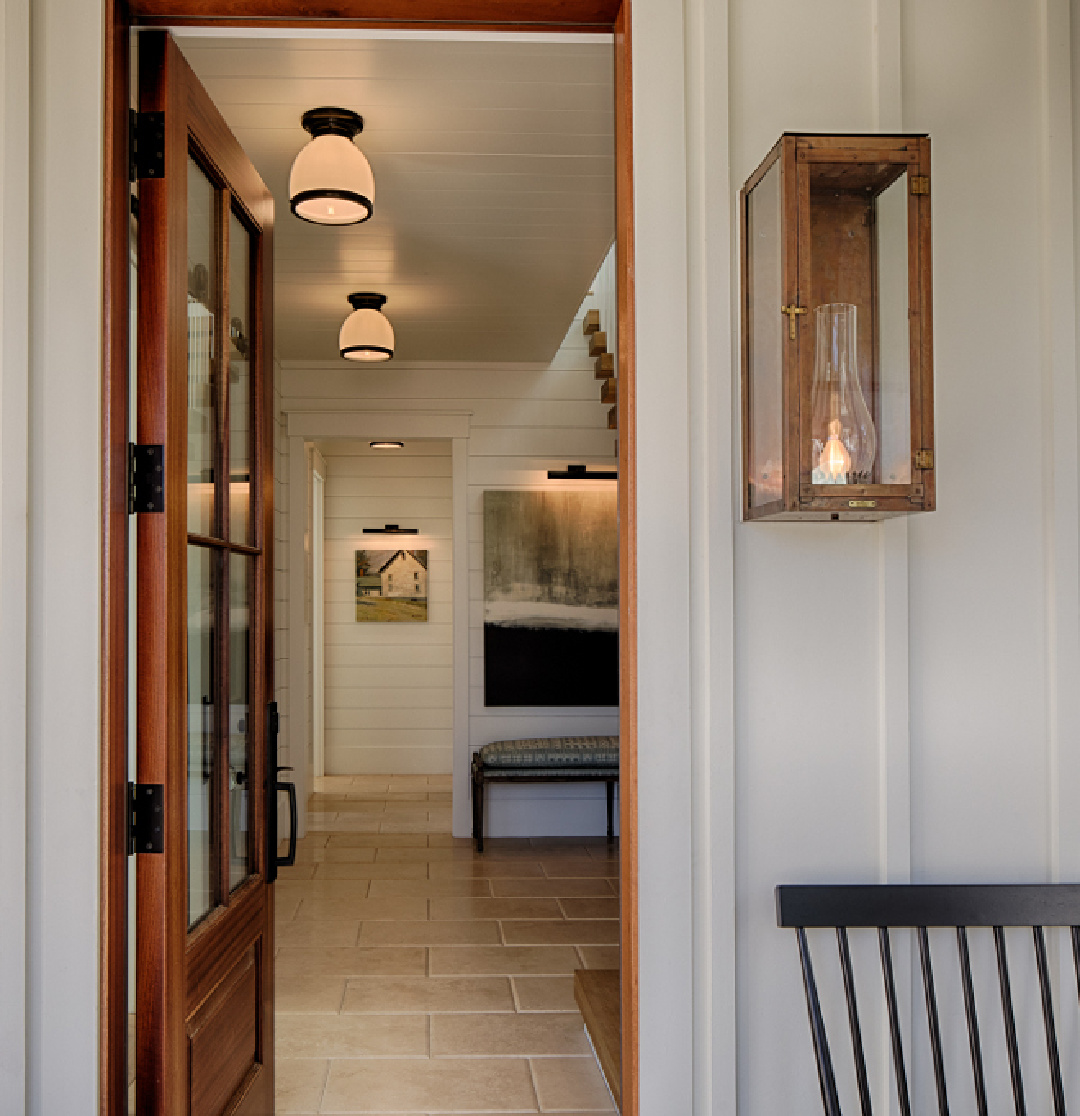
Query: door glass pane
point(240, 344)
point(766, 337)
point(201, 598)
point(201, 303)
point(241, 569)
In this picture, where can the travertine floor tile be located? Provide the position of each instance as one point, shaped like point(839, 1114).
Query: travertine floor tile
point(535, 1035)
point(494, 908)
point(600, 956)
point(429, 1086)
point(297, 872)
point(374, 871)
point(379, 840)
point(352, 823)
point(487, 869)
point(307, 993)
point(429, 933)
point(323, 889)
point(581, 867)
point(361, 909)
point(299, 1084)
point(285, 907)
point(542, 993)
point(574, 1083)
point(549, 932)
point(590, 908)
point(311, 933)
point(303, 963)
point(507, 960)
point(428, 994)
point(557, 888)
point(351, 1036)
point(427, 888)
point(339, 854)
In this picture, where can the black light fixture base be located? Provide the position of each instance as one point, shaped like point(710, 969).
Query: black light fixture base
point(341, 195)
point(391, 529)
point(581, 472)
point(331, 121)
point(367, 300)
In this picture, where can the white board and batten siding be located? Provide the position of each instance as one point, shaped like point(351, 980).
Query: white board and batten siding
point(389, 686)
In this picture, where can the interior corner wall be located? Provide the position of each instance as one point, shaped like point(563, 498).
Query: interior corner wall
point(524, 420)
point(389, 686)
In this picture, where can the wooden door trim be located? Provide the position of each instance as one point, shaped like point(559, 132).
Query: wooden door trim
point(610, 16)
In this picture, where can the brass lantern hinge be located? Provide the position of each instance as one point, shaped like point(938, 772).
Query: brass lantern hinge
point(924, 459)
point(920, 184)
point(791, 312)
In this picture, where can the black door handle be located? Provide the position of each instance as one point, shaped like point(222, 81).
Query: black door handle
point(289, 787)
point(273, 786)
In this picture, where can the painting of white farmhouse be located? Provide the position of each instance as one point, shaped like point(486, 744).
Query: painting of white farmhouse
point(391, 586)
point(551, 598)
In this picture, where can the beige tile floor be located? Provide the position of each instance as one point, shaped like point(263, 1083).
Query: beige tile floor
point(415, 977)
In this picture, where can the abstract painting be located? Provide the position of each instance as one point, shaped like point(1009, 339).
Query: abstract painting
point(391, 586)
point(551, 598)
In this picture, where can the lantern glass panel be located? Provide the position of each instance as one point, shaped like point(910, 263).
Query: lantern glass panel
point(894, 333)
point(765, 326)
point(859, 257)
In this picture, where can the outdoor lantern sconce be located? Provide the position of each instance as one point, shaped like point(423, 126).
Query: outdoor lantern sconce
point(331, 181)
point(366, 334)
point(837, 362)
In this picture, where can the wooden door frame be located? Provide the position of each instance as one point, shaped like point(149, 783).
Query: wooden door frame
point(610, 16)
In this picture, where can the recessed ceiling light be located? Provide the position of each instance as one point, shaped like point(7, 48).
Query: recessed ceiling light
point(331, 181)
point(384, 444)
point(366, 334)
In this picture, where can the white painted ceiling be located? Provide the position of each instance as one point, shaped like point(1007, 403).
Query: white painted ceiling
point(494, 185)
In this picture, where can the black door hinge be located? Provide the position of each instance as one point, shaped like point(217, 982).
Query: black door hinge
point(146, 818)
point(146, 145)
point(146, 478)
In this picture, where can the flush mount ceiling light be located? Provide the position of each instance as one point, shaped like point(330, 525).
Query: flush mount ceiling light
point(331, 181)
point(366, 334)
point(384, 443)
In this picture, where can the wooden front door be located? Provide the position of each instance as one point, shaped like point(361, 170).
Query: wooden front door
point(204, 662)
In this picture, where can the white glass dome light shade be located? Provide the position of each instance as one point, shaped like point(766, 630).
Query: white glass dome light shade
point(366, 334)
point(331, 181)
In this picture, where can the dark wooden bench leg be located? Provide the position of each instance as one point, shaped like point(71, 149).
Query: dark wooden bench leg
point(478, 805)
point(610, 809)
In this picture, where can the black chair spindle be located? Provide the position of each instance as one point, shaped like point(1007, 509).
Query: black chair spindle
point(974, 1042)
point(826, 1078)
point(1054, 1061)
point(933, 1023)
point(1009, 1017)
point(902, 1094)
point(857, 1051)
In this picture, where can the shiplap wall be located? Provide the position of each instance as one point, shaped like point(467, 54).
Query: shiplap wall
point(525, 419)
point(281, 574)
point(389, 698)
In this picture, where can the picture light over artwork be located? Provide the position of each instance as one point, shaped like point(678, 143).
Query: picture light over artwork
point(580, 472)
point(391, 529)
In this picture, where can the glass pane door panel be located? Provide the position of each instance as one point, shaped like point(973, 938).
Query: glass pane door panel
point(766, 325)
point(241, 572)
point(239, 381)
point(202, 301)
point(894, 333)
point(202, 605)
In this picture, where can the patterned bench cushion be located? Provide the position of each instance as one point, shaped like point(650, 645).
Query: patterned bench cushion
point(554, 751)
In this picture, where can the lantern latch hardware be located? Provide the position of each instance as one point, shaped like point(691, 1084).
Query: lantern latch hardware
point(920, 184)
point(146, 145)
point(791, 312)
point(146, 478)
point(146, 818)
point(924, 459)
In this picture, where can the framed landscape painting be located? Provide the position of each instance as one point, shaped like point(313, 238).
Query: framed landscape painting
point(391, 586)
point(551, 598)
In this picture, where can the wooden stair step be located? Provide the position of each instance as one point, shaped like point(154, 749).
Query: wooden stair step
point(591, 321)
point(609, 391)
point(599, 998)
point(613, 419)
point(597, 343)
point(605, 366)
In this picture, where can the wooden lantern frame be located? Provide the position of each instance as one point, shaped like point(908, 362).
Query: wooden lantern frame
point(870, 164)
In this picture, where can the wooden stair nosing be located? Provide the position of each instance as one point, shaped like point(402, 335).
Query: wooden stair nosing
point(599, 998)
point(604, 366)
point(597, 344)
point(591, 322)
point(613, 419)
point(609, 391)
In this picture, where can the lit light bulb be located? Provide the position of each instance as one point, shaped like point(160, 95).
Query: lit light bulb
point(835, 461)
point(330, 211)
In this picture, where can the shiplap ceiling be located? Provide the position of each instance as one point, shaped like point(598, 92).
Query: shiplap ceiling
point(494, 184)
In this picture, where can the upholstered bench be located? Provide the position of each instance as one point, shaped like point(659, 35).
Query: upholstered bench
point(556, 759)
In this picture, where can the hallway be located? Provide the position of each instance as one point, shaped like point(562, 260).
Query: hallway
point(416, 977)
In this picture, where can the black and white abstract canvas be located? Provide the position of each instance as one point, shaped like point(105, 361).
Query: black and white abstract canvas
point(551, 598)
